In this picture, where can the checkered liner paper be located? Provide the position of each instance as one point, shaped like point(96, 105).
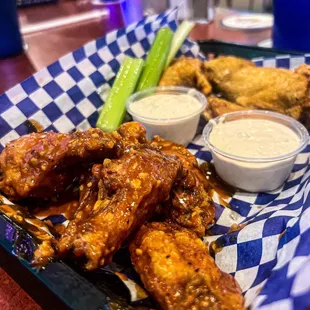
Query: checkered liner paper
point(270, 256)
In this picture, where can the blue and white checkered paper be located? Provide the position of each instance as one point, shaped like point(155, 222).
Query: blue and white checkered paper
point(270, 256)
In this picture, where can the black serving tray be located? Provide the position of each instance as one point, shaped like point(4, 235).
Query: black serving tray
point(64, 286)
point(244, 51)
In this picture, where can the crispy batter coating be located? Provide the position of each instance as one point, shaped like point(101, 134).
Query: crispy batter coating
point(40, 164)
point(188, 72)
point(218, 106)
point(132, 186)
point(176, 268)
point(220, 69)
point(190, 205)
point(244, 86)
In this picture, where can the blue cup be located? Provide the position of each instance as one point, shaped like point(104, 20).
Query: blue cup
point(10, 38)
point(291, 30)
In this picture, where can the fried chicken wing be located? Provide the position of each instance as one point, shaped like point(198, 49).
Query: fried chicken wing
point(190, 205)
point(220, 69)
point(130, 189)
point(176, 268)
point(187, 72)
point(40, 164)
point(244, 86)
point(218, 106)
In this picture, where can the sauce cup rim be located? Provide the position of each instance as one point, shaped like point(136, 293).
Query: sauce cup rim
point(174, 90)
point(293, 124)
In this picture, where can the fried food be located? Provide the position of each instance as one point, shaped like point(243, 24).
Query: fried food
point(190, 205)
point(244, 86)
point(220, 69)
point(176, 268)
point(41, 164)
point(131, 187)
point(187, 72)
point(218, 106)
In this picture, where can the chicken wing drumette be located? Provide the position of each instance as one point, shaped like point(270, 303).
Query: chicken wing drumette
point(176, 268)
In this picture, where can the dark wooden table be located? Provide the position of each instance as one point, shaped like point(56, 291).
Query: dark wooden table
point(45, 47)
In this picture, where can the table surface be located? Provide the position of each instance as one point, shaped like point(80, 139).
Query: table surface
point(45, 47)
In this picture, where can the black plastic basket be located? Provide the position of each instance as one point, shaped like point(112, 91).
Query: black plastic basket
point(23, 3)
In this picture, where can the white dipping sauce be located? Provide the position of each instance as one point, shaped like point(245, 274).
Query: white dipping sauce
point(166, 106)
point(173, 116)
point(254, 149)
point(254, 138)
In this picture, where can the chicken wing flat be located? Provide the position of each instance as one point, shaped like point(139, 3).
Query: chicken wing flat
point(190, 205)
point(40, 164)
point(187, 72)
point(176, 268)
point(130, 189)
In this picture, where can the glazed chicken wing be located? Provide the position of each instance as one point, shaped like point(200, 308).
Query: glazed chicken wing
point(176, 268)
point(190, 205)
point(187, 72)
point(129, 190)
point(40, 164)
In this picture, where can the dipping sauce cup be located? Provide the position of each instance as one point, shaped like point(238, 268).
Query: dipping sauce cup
point(256, 174)
point(167, 124)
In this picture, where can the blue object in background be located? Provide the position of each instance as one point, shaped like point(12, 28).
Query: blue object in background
point(291, 30)
point(10, 38)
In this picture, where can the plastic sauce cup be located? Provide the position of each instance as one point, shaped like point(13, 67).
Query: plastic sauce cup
point(256, 174)
point(180, 130)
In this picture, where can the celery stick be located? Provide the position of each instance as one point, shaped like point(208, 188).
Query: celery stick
point(156, 59)
point(178, 39)
point(114, 109)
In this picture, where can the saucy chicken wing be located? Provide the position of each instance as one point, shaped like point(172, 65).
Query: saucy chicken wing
point(187, 72)
point(190, 205)
point(40, 164)
point(130, 189)
point(176, 268)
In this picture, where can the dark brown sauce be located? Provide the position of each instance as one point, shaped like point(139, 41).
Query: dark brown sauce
point(224, 190)
point(34, 126)
point(222, 200)
point(68, 209)
point(216, 246)
point(236, 227)
point(282, 234)
point(19, 215)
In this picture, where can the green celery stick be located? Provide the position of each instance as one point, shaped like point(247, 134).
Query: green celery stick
point(156, 59)
point(114, 109)
point(178, 39)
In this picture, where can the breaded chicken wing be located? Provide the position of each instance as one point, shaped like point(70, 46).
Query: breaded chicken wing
point(131, 187)
point(190, 205)
point(244, 86)
point(220, 69)
point(176, 268)
point(187, 72)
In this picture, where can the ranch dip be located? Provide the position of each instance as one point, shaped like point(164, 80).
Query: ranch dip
point(166, 106)
point(254, 138)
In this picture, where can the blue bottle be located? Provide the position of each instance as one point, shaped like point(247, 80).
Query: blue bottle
point(291, 30)
point(10, 38)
